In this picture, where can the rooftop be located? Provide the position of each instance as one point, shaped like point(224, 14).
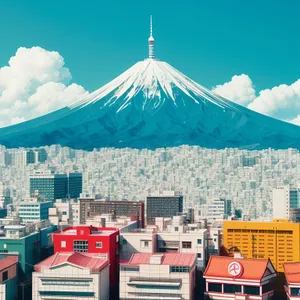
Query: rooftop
point(252, 269)
point(93, 262)
point(86, 230)
point(171, 259)
point(8, 261)
point(292, 272)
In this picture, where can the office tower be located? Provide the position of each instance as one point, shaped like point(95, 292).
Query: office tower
point(216, 209)
point(30, 212)
point(52, 186)
point(40, 155)
point(92, 207)
point(286, 203)
point(5, 197)
point(166, 205)
point(278, 240)
point(74, 185)
point(49, 186)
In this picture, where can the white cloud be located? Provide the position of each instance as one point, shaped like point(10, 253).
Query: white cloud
point(240, 89)
point(35, 82)
point(282, 102)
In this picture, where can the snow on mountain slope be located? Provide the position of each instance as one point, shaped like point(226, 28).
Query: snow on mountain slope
point(156, 80)
point(153, 105)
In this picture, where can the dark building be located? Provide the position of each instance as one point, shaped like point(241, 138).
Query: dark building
point(227, 207)
point(52, 186)
point(74, 185)
point(91, 207)
point(163, 206)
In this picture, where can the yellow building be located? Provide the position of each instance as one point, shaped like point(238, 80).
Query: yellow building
point(278, 240)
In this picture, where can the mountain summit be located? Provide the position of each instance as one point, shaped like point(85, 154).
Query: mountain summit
point(153, 105)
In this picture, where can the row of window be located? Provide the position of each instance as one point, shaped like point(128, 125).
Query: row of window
point(65, 283)
point(232, 288)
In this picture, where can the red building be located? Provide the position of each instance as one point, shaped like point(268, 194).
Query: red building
point(292, 276)
point(91, 240)
point(238, 278)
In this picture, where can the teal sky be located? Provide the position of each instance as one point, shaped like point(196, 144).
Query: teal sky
point(210, 41)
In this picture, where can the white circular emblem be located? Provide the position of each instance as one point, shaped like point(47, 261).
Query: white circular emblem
point(235, 269)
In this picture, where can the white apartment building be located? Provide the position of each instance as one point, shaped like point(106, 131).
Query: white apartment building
point(286, 202)
point(71, 276)
point(158, 276)
point(64, 213)
point(216, 209)
point(176, 238)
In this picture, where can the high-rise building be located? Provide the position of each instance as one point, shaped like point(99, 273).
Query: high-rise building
point(216, 209)
point(52, 186)
point(167, 205)
point(286, 203)
point(74, 185)
point(278, 240)
point(40, 155)
point(91, 207)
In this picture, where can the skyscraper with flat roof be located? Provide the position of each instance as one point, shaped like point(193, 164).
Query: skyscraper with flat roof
point(52, 186)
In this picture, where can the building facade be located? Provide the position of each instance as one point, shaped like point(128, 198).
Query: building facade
point(72, 276)
point(52, 186)
point(292, 276)
point(278, 240)
point(286, 203)
point(166, 206)
point(236, 278)
point(30, 212)
point(8, 277)
point(91, 207)
point(89, 239)
point(158, 276)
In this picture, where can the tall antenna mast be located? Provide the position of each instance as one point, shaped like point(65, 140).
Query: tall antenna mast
point(151, 42)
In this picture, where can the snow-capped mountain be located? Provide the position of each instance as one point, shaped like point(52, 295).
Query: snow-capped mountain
point(153, 105)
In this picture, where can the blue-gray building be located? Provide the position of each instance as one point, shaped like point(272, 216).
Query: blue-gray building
point(30, 212)
point(50, 186)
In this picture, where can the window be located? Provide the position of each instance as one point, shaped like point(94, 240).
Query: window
point(215, 287)
point(232, 288)
point(64, 213)
point(179, 269)
point(98, 244)
point(187, 245)
point(199, 255)
point(176, 228)
point(295, 292)
point(63, 244)
point(80, 246)
point(117, 239)
point(4, 276)
point(199, 241)
point(145, 244)
point(130, 269)
point(251, 290)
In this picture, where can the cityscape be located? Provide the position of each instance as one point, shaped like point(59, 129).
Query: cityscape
point(151, 186)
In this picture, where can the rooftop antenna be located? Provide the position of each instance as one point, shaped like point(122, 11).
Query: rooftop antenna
point(151, 42)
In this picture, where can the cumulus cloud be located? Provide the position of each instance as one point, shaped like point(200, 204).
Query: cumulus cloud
point(240, 89)
point(282, 102)
point(35, 82)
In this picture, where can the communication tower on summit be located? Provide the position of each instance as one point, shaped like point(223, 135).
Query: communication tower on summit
point(151, 42)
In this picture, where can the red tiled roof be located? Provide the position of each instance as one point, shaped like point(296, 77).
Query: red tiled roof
point(292, 272)
point(93, 262)
point(253, 269)
point(8, 261)
point(171, 259)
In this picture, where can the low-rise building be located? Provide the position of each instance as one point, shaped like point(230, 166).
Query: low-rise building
point(91, 239)
point(292, 276)
point(33, 211)
point(8, 277)
point(158, 276)
point(176, 237)
point(71, 276)
point(237, 278)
